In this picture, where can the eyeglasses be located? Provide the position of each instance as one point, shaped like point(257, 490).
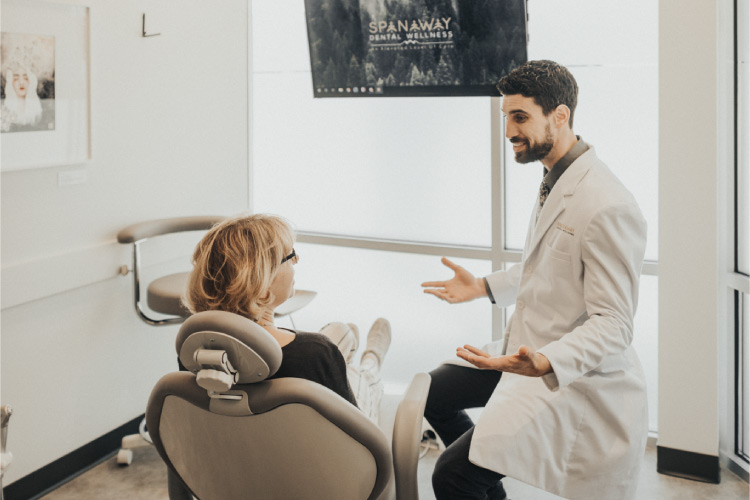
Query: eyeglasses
point(292, 256)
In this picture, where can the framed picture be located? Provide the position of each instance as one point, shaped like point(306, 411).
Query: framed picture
point(45, 117)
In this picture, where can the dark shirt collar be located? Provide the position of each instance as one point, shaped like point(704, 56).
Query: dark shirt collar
point(563, 163)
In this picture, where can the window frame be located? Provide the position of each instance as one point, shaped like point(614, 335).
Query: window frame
point(738, 282)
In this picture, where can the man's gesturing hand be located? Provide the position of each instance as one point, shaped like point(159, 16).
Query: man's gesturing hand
point(463, 287)
point(526, 362)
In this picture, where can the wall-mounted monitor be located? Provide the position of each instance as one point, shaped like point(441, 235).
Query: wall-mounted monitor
point(389, 48)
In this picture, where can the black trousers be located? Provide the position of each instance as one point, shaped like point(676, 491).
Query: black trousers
point(452, 391)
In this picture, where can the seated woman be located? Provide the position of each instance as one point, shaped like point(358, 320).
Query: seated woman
point(245, 265)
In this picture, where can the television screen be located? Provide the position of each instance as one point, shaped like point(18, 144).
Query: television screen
point(387, 48)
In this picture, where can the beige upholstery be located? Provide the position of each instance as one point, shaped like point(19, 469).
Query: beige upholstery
point(164, 294)
point(273, 439)
point(406, 447)
point(302, 441)
point(149, 229)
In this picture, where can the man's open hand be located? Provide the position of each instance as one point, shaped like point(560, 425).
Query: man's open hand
point(463, 287)
point(526, 362)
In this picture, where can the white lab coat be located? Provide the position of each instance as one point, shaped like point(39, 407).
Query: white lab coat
point(579, 432)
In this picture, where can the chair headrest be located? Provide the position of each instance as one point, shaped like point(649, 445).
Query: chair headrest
point(226, 349)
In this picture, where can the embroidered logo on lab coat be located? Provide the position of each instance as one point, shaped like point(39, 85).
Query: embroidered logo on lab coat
point(565, 229)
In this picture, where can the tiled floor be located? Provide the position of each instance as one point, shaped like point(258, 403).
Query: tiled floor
point(145, 479)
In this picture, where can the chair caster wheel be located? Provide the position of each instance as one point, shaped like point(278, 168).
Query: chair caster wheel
point(124, 457)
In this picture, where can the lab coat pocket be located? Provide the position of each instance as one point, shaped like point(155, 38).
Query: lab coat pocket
point(557, 254)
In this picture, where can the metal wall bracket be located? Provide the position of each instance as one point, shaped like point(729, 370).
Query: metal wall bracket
point(143, 28)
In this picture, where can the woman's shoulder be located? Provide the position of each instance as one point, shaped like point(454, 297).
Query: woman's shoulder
point(314, 351)
point(310, 340)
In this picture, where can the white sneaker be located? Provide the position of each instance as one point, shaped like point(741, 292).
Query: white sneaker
point(346, 338)
point(355, 334)
point(378, 340)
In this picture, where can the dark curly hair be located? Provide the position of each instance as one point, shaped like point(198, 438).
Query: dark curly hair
point(548, 83)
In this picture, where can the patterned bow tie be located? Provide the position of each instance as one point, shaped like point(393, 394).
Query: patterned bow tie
point(543, 194)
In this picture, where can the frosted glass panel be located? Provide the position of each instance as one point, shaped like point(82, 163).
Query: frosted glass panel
point(593, 32)
point(615, 63)
point(646, 343)
point(743, 209)
point(358, 286)
point(742, 380)
point(743, 138)
point(415, 169)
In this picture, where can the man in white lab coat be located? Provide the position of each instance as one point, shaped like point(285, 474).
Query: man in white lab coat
point(564, 394)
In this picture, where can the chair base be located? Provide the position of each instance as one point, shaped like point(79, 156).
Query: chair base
point(132, 441)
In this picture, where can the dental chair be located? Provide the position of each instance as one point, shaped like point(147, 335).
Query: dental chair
point(227, 432)
point(164, 294)
point(6, 457)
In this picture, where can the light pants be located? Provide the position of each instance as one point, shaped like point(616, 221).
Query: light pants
point(364, 377)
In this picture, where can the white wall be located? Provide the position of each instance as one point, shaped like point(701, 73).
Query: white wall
point(170, 138)
point(691, 210)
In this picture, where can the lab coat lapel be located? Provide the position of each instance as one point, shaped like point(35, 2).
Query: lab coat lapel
point(555, 204)
point(553, 207)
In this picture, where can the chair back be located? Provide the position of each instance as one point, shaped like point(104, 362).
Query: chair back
point(228, 432)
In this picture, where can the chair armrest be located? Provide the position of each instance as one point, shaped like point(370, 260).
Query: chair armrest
point(294, 303)
point(147, 229)
point(407, 436)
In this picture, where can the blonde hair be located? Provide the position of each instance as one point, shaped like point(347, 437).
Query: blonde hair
point(236, 262)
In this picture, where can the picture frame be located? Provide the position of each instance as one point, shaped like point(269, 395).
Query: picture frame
point(46, 99)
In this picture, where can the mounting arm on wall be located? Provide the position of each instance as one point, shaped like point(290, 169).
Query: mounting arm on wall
point(143, 28)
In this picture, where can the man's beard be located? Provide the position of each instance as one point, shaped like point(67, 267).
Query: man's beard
point(538, 151)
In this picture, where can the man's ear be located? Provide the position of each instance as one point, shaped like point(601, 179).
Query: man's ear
point(562, 115)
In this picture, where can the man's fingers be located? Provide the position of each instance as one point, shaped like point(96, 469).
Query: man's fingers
point(476, 351)
point(447, 262)
point(441, 294)
point(437, 284)
point(464, 355)
point(478, 361)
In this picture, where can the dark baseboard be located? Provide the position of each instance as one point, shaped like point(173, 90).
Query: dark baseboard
point(688, 465)
point(64, 469)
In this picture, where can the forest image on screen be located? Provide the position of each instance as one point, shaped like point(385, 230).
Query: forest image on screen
point(413, 47)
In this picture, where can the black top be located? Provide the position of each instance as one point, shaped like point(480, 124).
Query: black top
point(313, 356)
